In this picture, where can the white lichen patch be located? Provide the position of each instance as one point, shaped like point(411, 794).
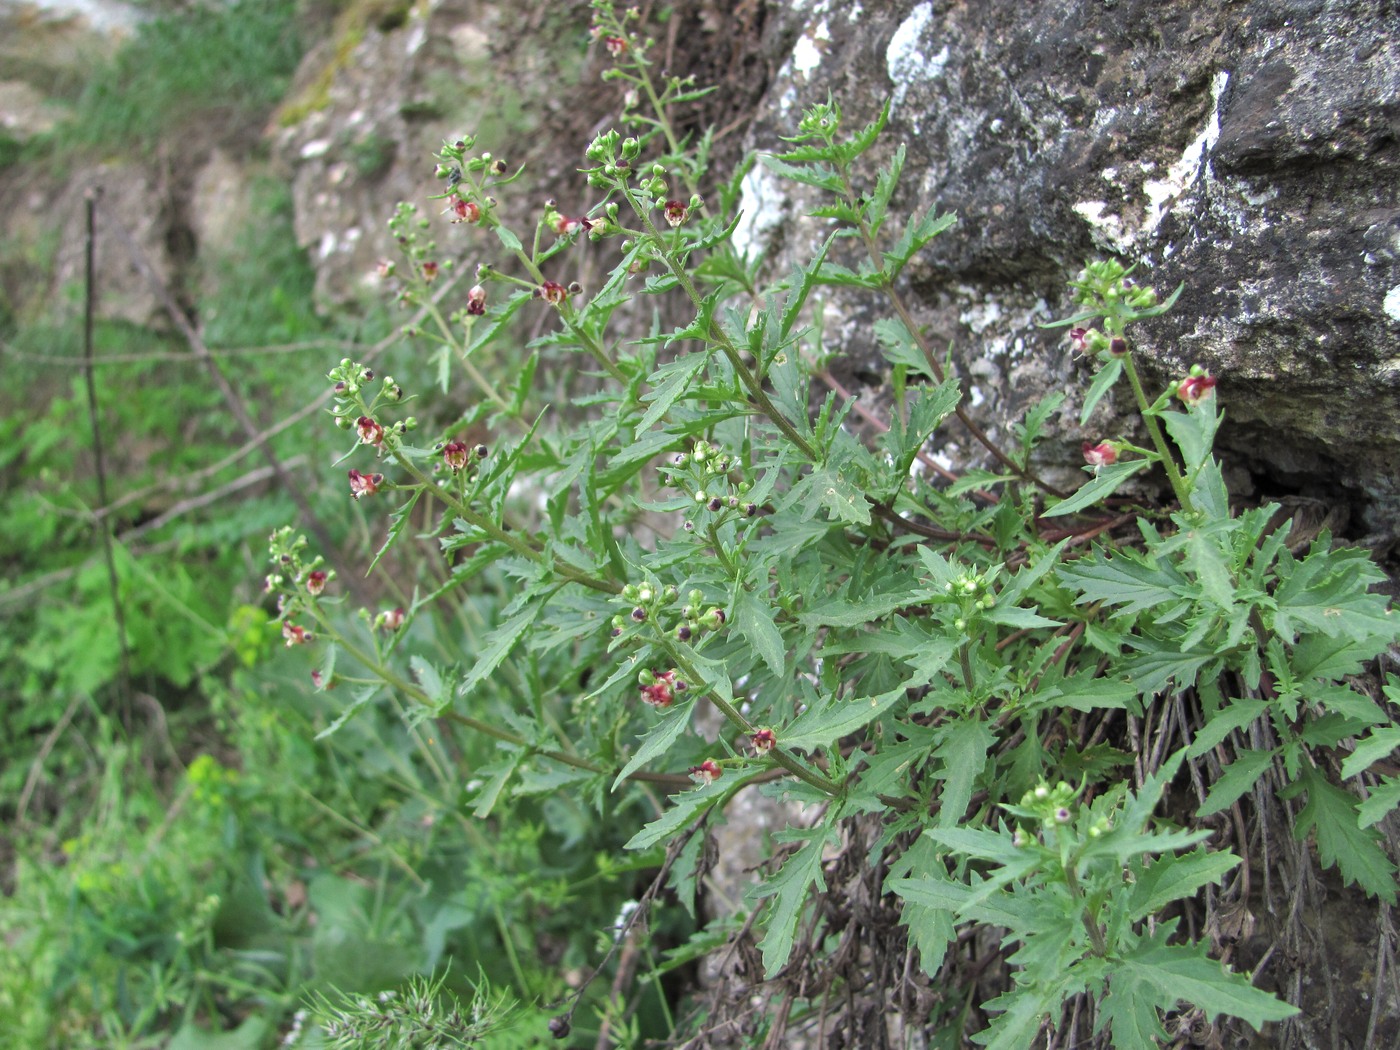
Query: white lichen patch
point(979, 317)
point(1107, 227)
point(762, 201)
point(1162, 193)
point(906, 58)
point(808, 53)
point(1391, 303)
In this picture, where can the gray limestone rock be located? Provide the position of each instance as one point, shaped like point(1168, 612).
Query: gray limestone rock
point(1247, 150)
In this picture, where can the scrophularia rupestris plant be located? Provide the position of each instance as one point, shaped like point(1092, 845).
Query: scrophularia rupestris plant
point(872, 637)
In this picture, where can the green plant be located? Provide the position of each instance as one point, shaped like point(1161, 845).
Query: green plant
point(698, 529)
point(230, 63)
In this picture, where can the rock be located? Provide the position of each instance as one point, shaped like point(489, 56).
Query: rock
point(1249, 151)
point(378, 100)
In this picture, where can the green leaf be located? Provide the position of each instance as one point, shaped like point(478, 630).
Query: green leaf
point(668, 383)
point(1104, 484)
point(1023, 1010)
point(1329, 592)
point(788, 889)
point(754, 620)
point(821, 725)
point(930, 928)
point(844, 277)
point(899, 347)
point(1194, 434)
point(866, 137)
point(429, 679)
point(494, 778)
point(1320, 656)
point(1171, 878)
point(843, 610)
point(666, 732)
point(397, 523)
point(917, 233)
point(685, 807)
point(359, 700)
point(1014, 616)
point(1378, 744)
point(842, 500)
point(1102, 384)
point(1165, 974)
point(1385, 796)
point(1239, 714)
point(804, 280)
point(820, 176)
point(885, 184)
point(509, 239)
point(963, 751)
point(1341, 841)
point(1125, 579)
point(497, 646)
point(1084, 692)
point(1238, 777)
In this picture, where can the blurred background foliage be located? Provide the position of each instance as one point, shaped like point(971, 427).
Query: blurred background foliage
point(185, 862)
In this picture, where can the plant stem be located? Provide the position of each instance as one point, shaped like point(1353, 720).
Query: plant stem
point(736, 719)
point(1154, 430)
point(1096, 937)
point(500, 535)
point(718, 337)
point(896, 300)
point(473, 373)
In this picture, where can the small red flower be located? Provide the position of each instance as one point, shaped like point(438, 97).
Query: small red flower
point(389, 619)
point(552, 292)
point(1194, 389)
point(476, 300)
point(661, 693)
point(364, 484)
point(454, 454)
point(295, 635)
point(371, 433)
point(385, 269)
point(707, 772)
point(763, 741)
point(1079, 340)
point(430, 270)
point(316, 582)
point(465, 211)
point(616, 45)
point(676, 213)
point(1103, 454)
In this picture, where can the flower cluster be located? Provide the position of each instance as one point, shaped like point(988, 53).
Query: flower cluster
point(659, 689)
point(297, 581)
point(705, 473)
